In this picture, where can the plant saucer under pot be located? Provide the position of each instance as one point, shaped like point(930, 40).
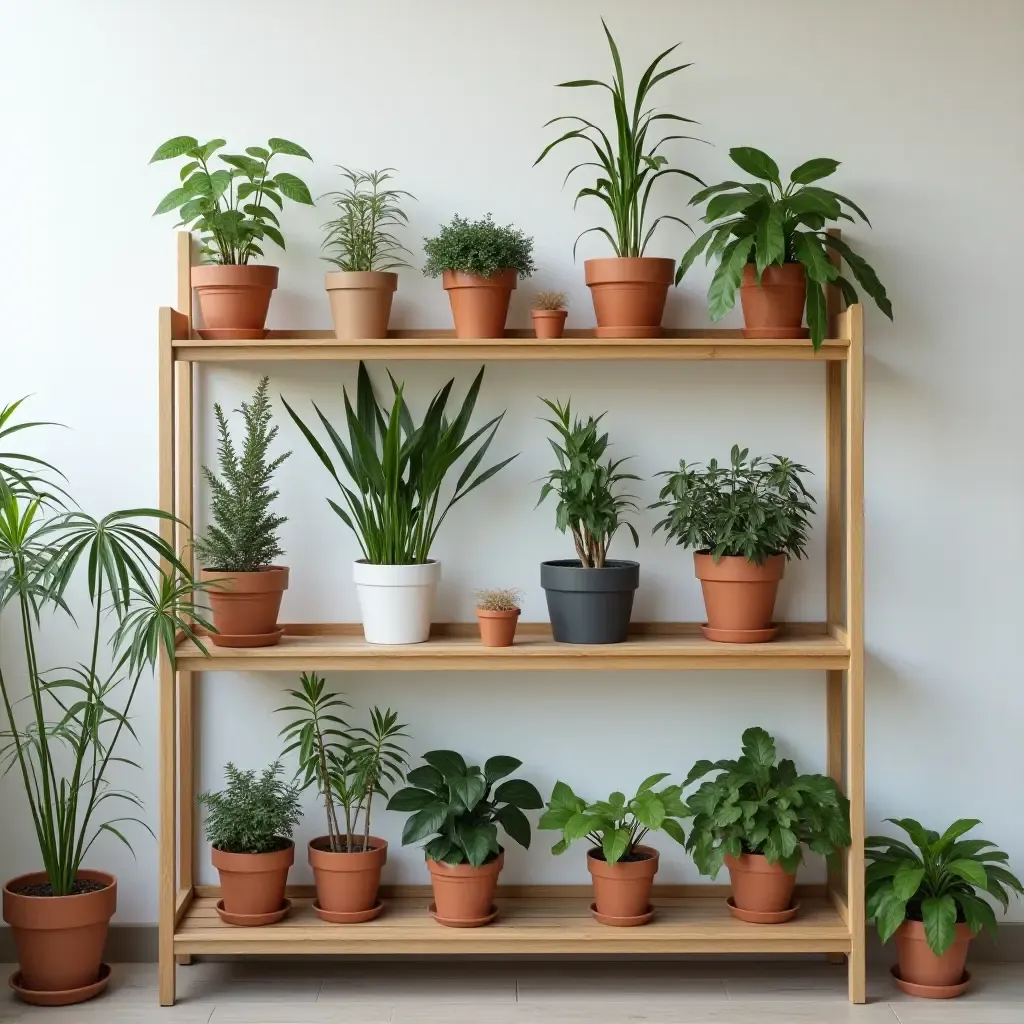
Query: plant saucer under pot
point(589, 606)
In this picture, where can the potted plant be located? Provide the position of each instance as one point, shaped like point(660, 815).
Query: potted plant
point(361, 244)
point(629, 289)
point(623, 868)
point(479, 263)
point(232, 208)
point(349, 765)
point(239, 549)
point(548, 314)
point(772, 245)
point(743, 522)
point(930, 901)
point(394, 505)
point(755, 816)
point(498, 611)
point(249, 827)
point(590, 598)
point(457, 805)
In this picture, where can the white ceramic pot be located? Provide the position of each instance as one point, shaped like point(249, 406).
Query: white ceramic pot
point(396, 601)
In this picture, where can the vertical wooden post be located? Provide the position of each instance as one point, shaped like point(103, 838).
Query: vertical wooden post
point(184, 297)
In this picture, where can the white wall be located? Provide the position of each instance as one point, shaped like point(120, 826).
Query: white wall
point(921, 99)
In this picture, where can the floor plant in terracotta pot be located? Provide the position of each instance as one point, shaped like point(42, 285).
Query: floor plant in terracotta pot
point(548, 313)
point(460, 808)
point(930, 895)
point(498, 612)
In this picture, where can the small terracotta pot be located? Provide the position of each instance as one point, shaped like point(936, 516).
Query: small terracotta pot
point(246, 605)
point(60, 939)
point(234, 300)
point(629, 294)
point(347, 883)
point(253, 883)
point(775, 307)
point(360, 302)
point(497, 629)
point(463, 892)
point(548, 323)
point(479, 304)
point(623, 889)
point(759, 886)
point(739, 595)
point(920, 966)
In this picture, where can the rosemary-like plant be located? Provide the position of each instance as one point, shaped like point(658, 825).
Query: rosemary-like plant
point(478, 247)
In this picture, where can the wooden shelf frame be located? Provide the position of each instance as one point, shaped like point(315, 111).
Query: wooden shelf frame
point(534, 920)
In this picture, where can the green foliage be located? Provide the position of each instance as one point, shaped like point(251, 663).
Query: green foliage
point(230, 206)
point(757, 806)
point(939, 884)
point(397, 468)
point(19, 471)
point(454, 802)
point(755, 508)
point(244, 535)
point(502, 599)
point(615, 826)
point(478, 247)
point(764, 223)
point(627, 171)
point(588, 506)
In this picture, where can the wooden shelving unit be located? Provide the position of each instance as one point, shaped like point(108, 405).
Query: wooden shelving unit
point(534, 920)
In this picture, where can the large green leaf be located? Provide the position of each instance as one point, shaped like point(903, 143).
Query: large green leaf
point(769, 239)
point(468, 788)
point(178, 146)
point(447, 762)
point(970, 871)
point(817, 313)
point(722, 292)
point(890, 912)
point(907, 880)
point(515, 824)
point(520, 793)
point(756, 162)
point(864, 274)
point(499, 766)
point(813, 170)
point(614, 844)
point(939, 915)
point(424, 822)
point(411, 799)
point(809, 251)
point(293, 188)
point(284, 146)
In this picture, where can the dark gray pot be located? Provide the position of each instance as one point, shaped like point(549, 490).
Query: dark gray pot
point(589, 606)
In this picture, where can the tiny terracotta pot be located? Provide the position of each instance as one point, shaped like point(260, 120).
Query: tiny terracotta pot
point(464, 893)
point(347, 883)
point(360, 302)
point(759, 886)
point(497, 629)
point(623, 890)
point(739, 596)
point(234, 301)
point(629, 294)
point(548, 323)
point(245, 605)
point(479, 304)
point(252, 884)
point(920, 966)
point(775, 307)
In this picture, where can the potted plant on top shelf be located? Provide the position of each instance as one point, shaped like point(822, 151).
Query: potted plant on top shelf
point(629, 290)
point(360, 242)
point(498, 611)
point(231, 207)
point(548, 313)
point(771, 244)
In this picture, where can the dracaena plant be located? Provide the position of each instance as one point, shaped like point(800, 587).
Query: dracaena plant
point(765, 223)
point(938, 884)
point(231, 207)
point(478, 247)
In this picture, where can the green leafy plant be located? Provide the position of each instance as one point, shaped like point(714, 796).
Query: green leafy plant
point(361, 237)
point(478, 247)
point(616, 826)
point(455, 803)
point(502, 599)
point(230, 207)
point(20, 473)
point(628, 170)
point(397, 468)
point(243, 537)
point(939, 884)
point(549, 300)
point(766, 223)
point(754, 508)
point(757, 806)
point(588, 506)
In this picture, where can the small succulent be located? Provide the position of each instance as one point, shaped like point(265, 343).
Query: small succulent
point(549, 300)
point(502, 599)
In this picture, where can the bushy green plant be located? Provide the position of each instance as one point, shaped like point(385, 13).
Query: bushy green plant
point(478, 247)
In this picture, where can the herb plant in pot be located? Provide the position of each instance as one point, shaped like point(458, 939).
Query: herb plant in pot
point(548, 314)
point(590, 598)
point(233, 209)
point(755, 816)
point(459, 806)
point(743, 521)
point(479, 264)
point(498, 611)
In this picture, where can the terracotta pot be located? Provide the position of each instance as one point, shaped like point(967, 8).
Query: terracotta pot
point(253, 883)
point(234, 300)
point(463, 892)
point(548, 323)
point(623, 889)
point(758, 885)
point(479, 304)
point(360, 302)
point(246, 605)
point(497, 629)
point(60, 939)
point(920, 966)
point(775, 307)
point(739, 595)
point(347, 883)
point(629, 294)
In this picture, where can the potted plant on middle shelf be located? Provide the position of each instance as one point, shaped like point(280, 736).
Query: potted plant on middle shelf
point(755, 816)
point(548, 313)
point(498, 611)
point(743, 522)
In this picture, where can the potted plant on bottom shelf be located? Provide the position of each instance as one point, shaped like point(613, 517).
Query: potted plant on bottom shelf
point(459, 806)
point(548, 314)
point(498, 611)
point(743, 522)
point(623, 868)
point(756, 816)
point(931, 901)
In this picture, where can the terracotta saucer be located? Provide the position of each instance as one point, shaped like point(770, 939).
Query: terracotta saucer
point(453, 923)
point(253, 920)
point(62, 998)
point(243, 640)
point(621, 922)
point(775, 333)
point(931, 991)
point(348, 917)
point(230, 334)
point(760, 916)
point(739, 636)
